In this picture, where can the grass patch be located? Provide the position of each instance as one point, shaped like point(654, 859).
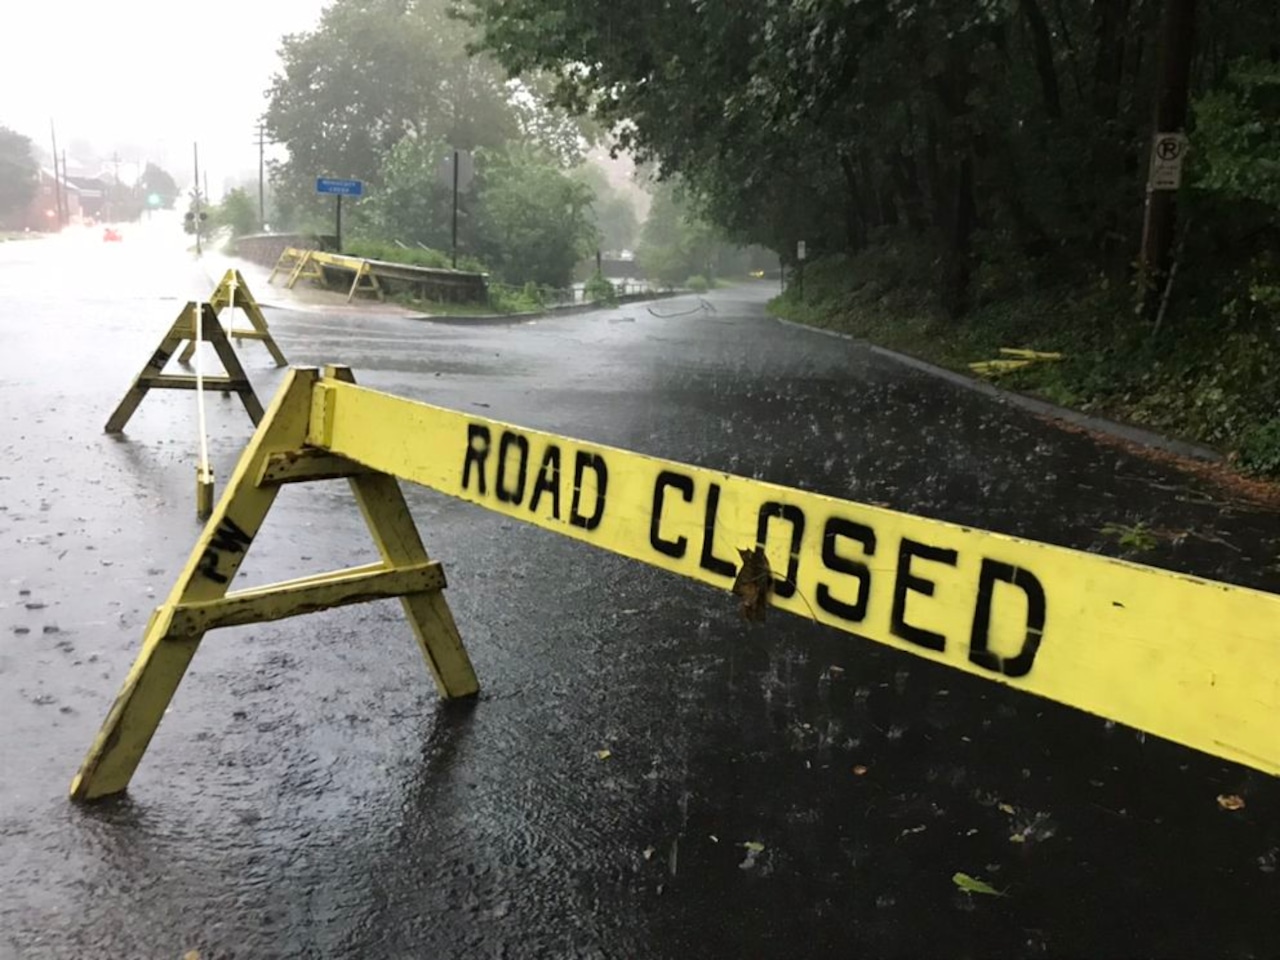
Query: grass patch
point(1210, 375)
point(411, 256)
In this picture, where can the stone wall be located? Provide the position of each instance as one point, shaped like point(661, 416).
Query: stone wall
point(265, 248)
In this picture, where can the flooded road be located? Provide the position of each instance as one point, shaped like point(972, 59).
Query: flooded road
point(769, 791)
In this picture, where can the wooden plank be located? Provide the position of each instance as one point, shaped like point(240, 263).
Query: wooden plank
point(1191, 660)
point(293, 598)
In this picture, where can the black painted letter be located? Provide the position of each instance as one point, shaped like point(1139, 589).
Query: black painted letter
point(835, 528)
point(583, 462)
point(1019, 666)
point(477, 452)
point(671, 548)
point(785, 587)
point(905, 581)
point(508, 441)
point(548, 481)
point(709, 561)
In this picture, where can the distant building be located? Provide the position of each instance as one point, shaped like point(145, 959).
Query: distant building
point(93, 193)
point(41, 215)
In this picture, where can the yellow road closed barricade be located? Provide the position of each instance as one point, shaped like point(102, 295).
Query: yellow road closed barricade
point(1194, 661)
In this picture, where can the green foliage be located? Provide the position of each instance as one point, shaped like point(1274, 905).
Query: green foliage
point(413, 203)
point(1210, 379)
point(237, 213)
point(697, 283)
point(1260, 448)
point(1020, 126)
point(614, 213)
point(159, 182)
point(18, 172)
point(394, 253)
point(599, 290)
point(1238, 134)
point(533, 222)
point(370, 74)
point(675, 243)
point(1136, 537)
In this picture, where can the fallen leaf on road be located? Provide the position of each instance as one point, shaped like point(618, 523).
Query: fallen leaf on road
point(970, 885)
point(603, 754)
point(754, 847)
point(648, 852)
point(1006, 808)
point(835, 671)
point(859, 771)
point(714, 838)
point(1018, 838)
point(1230, 802)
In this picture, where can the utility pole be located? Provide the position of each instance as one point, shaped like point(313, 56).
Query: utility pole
point(109, 204)
point(262, 175)
point(455, 209)
point(66, 201)
point(1173, 74)
point(57, 185)
point(195, 151)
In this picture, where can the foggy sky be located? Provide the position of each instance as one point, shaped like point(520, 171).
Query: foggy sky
point(157, 74)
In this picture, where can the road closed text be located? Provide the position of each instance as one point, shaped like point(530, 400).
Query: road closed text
point(840, 563)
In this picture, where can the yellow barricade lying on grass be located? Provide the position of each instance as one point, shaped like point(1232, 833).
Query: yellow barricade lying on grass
point(1015, 360)
point(1194, 661)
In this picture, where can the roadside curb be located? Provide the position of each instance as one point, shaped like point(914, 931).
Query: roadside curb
point(566, 311)
point(1123, 431)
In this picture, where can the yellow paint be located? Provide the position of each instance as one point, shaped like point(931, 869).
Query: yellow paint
point(232, 292)
point(204, 491)
point(1028, 354)
point(200, 602)
point(186, 328)
point(1194, 661)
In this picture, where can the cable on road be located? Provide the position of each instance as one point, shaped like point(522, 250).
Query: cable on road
point(702, 307)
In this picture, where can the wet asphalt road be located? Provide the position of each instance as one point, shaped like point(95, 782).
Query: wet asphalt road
point(308, 796)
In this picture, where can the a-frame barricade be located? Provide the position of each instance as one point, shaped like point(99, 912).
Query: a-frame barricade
point(232, 292)
point(366, 281)
point(1192, 661)
point(153, 377)
point(199, 601)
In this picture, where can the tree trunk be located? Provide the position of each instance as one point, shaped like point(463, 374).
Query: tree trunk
point(906, 182)
point(855, 226)
point(963, 216)
point(1177, 46)
point(1042, 51)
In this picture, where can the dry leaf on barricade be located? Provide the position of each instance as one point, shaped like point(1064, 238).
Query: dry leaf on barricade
point(753, 583)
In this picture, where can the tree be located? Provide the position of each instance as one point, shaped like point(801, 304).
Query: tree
point(533, 222)
point(238, 213)
point(19, 172)
point(370, 74)
point(1022, 125)
point(156, 182)
point(675, 244)
point(413, 204)
point(614, 213)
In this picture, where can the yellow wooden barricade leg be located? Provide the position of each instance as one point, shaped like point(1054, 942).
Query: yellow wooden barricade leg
point(199, 602)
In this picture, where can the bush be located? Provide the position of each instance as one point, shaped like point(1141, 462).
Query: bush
point(1260, 448)
point(393, 253)
point(698, 283)
point(599, 290)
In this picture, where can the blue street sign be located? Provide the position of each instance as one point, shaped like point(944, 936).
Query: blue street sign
point(343, 188)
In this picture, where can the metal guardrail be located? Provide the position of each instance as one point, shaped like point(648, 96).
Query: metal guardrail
point(367, 275)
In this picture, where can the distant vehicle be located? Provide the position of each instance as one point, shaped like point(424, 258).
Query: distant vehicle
point(111, 236)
